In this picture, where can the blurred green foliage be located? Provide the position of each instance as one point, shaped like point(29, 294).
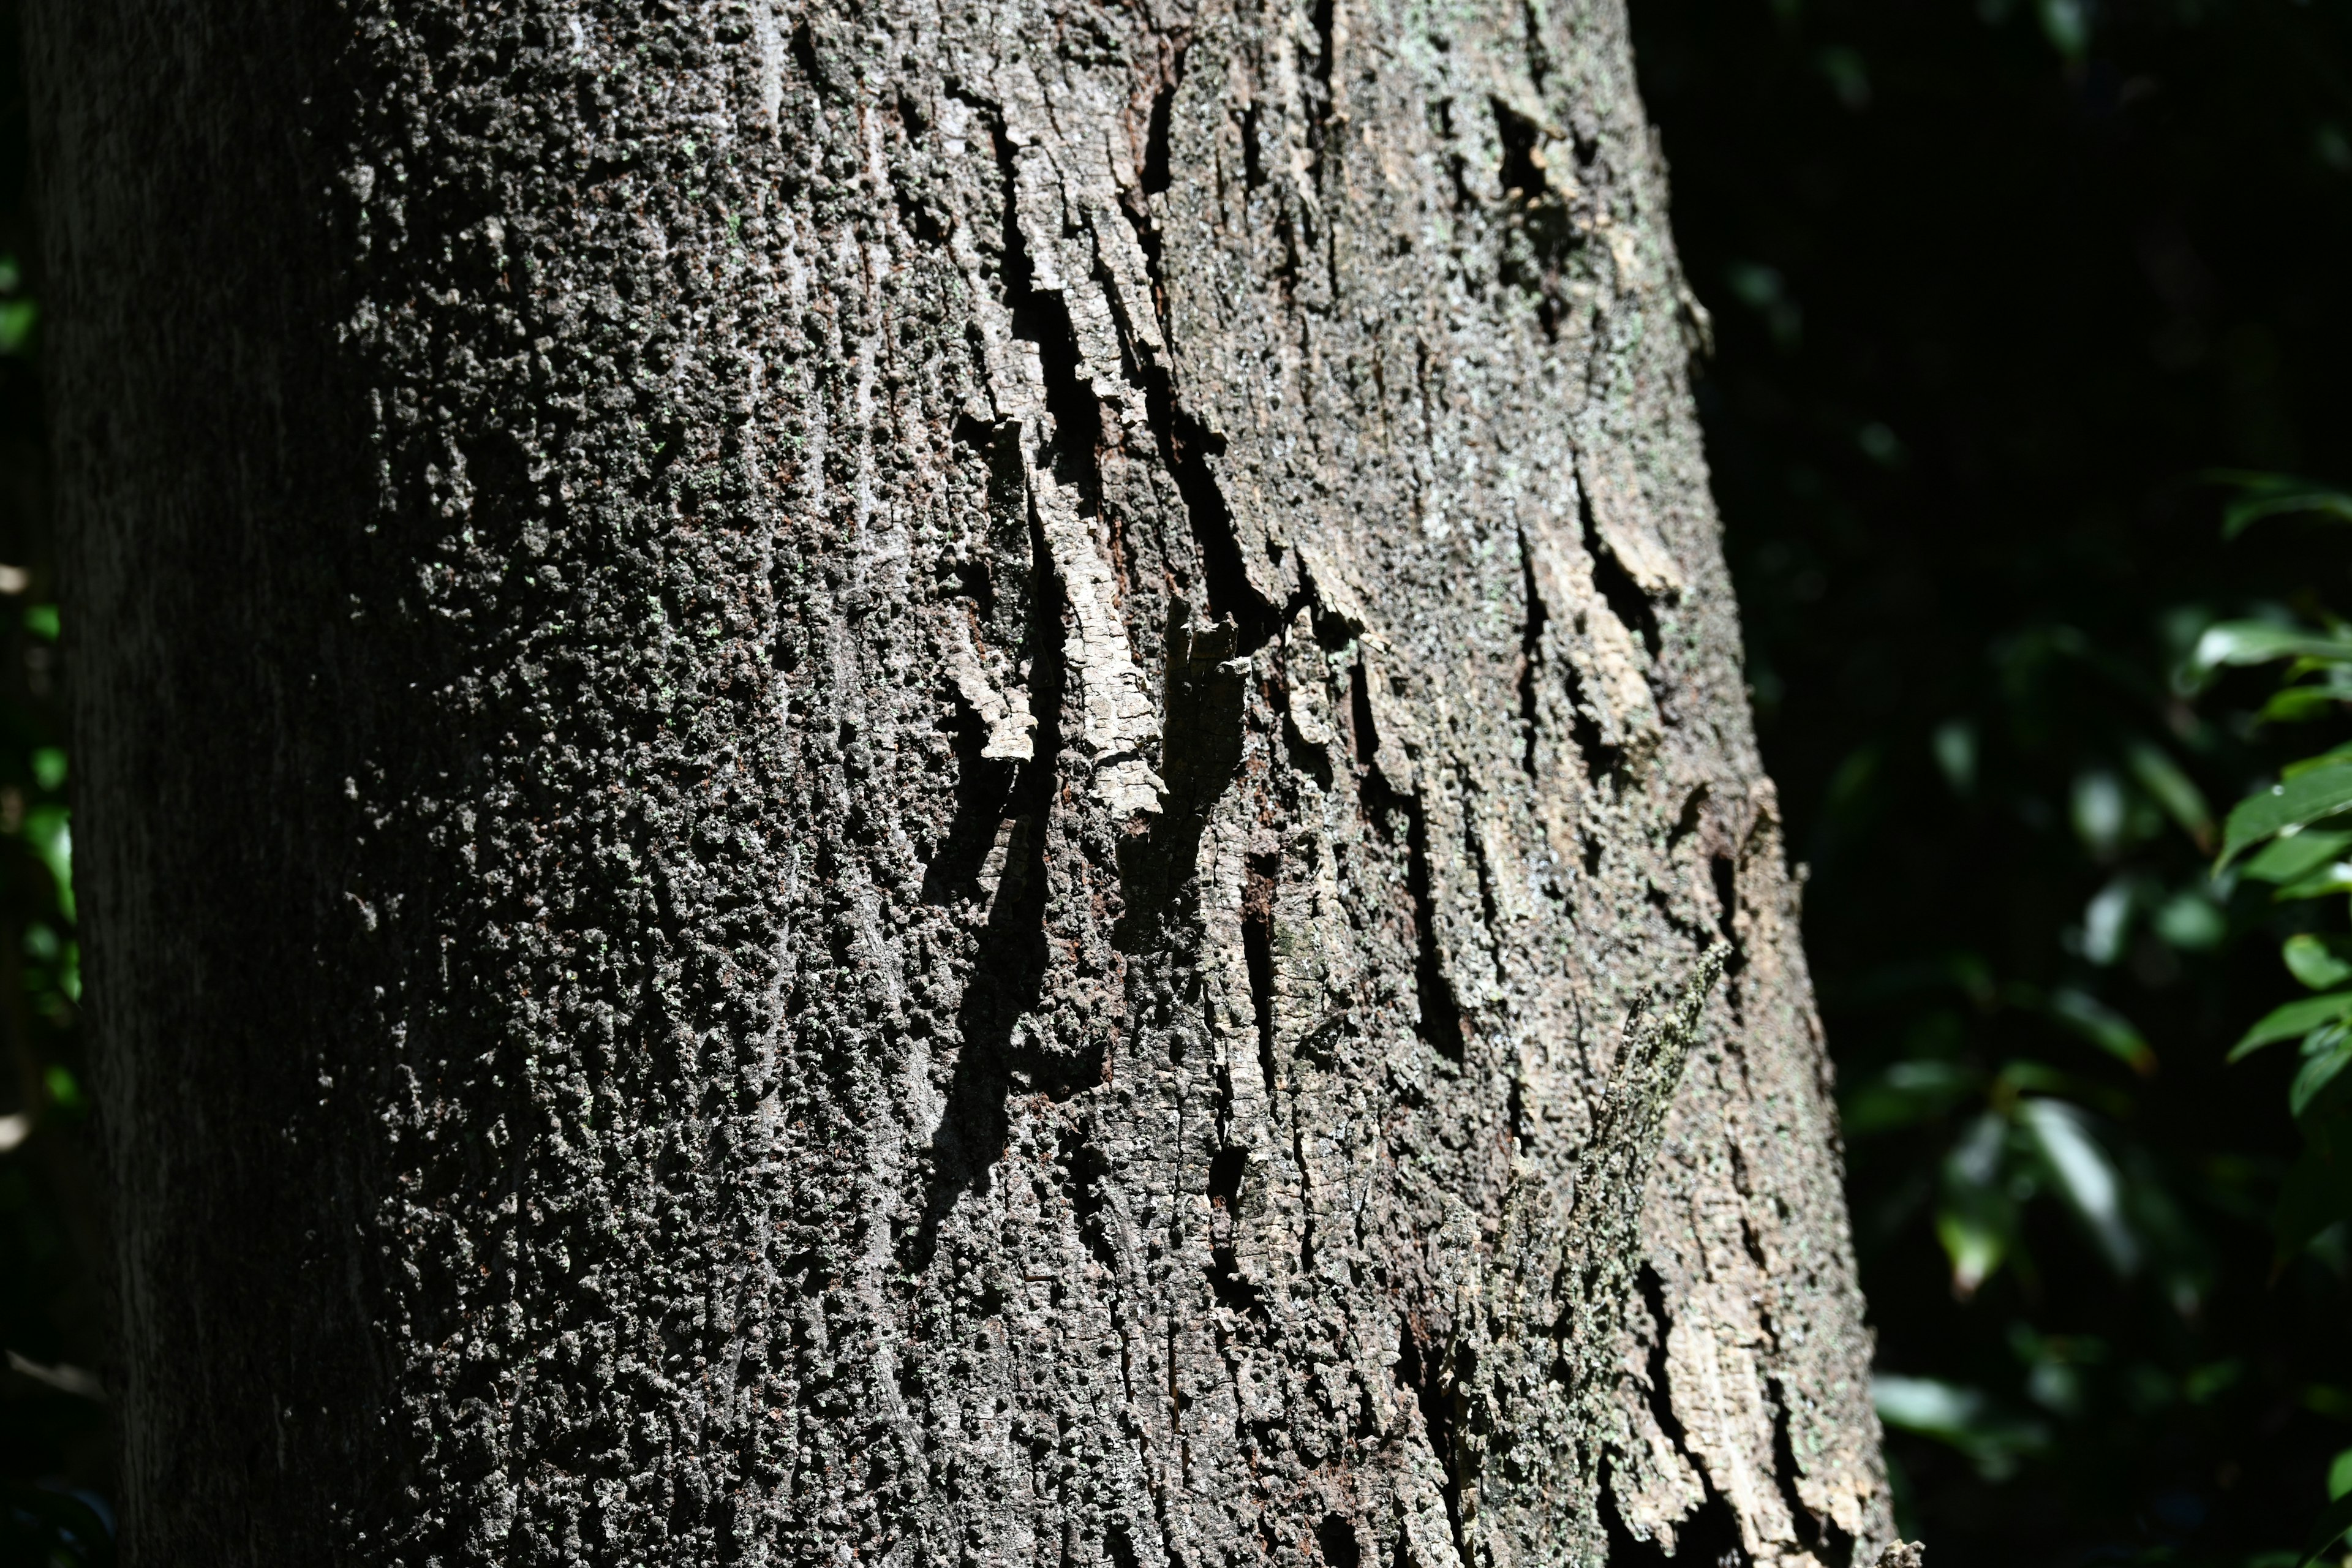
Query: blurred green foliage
point(2299, 831)
point(2021, 310)
point(55, 1458)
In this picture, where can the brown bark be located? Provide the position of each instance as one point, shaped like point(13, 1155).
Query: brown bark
point(963, 784)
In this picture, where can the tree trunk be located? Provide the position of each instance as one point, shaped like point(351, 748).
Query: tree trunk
point(934, 784)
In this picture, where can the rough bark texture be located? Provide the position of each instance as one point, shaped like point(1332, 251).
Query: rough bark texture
point(925, 781)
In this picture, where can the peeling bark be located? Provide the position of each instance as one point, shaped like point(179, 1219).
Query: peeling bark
point(957, 785)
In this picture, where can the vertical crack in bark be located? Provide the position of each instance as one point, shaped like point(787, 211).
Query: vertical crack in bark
point(1531, 636)
point(1539, 231)
point(1437, 1392)
point(1441, 1013)
point(1185, 445)
point(1724, 874)
point(1319, 100)
point(1202, 693)
point(1531, 18)
point(1522, 178)
point(1440, 1019)
point(1601, 1237)
point(1000, 1052)
point(1601, 761)
point(1257, 953)
point(983, 801)
point(1008, 971)
point(1623, 595)
point(1833, 1547)
point(1686, 820)
point(803, 48)
point(1474, 847)
point(1456, 162)
point(1157, 175)
point(1709, 1534)
point(1662, 1404)
point(1041, 317)
point(1588, 1271)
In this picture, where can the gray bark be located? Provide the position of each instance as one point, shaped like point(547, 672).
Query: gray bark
point(927, 783)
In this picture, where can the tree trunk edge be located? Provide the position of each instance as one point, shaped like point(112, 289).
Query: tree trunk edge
point(904, 706)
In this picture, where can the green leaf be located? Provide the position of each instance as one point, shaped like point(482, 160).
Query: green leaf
point(41, 621)
point(2315, 1076)
point(2190, 920)
point(2327, 759)
point(2085, 1176)
point(2173, 790)
point(2316, 961)
point(1976, 1218)
point(2067, 25)
point(2297, 703)
point(2295, 1018)
point(18, 319)
point(2102, 1027)
point(1962, 1416)
point(2330, 879)
point(2239, 643)
point(2287, 859)
point(48, 834)
point(1975, 1247)
point(2328, 1400)
point(64, 1092)
point(2241, 515)
point(2262, 495)
point(2327, 1530)
point(2317, 1192)
point(2205, 1383)
point(2106, 918)
point(2101, 811)
point(1955, 745)
point(2286, 806)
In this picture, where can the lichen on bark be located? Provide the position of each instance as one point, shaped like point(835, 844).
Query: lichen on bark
point(1011, 738)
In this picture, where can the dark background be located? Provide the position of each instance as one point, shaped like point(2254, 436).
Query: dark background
point(54, 1440)
point(1994, 284)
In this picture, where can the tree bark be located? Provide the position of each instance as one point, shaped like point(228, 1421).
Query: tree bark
point(927, 783)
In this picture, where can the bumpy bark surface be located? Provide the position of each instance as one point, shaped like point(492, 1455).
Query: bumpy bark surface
point(924, 783)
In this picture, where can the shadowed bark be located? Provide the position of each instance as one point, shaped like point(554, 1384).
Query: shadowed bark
point(966, 784)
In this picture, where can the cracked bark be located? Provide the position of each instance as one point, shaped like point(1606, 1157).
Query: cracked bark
point(958, 783)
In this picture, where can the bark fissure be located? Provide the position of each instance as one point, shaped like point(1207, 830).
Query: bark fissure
point(1623, 597)
point(1437, 1397)
point(997, 1056)
point(1532, 660)
point(1437, 1015)
point(1833, 1546)
point(1184, 445)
